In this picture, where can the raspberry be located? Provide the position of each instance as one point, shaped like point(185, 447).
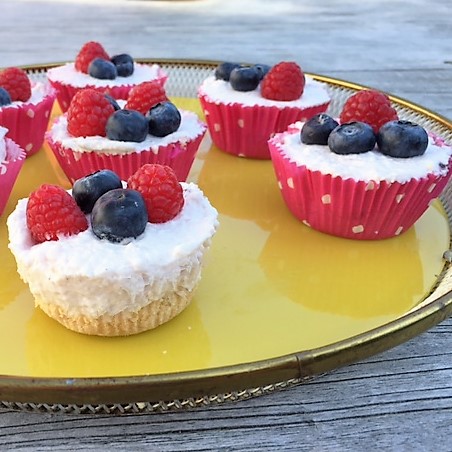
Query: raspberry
point(284, 81)
point(160, 189)
point(52, 212)
point(88, 113)
point(17, 83)
point(88, 53)
point(369, 106)
point(145, 95)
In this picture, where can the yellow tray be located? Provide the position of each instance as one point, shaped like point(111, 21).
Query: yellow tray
point(278, 302)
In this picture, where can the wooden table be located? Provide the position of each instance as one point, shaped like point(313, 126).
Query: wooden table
point(399, 400)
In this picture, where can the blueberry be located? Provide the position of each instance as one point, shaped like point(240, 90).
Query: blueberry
point(119, 214)
point(127, 125)
point(112, 101)
point(244, 78)
point(102, 69)
point(317, 129)
point(5, 98)
point(223, 70)
point(352, 138)
point(87, 190)
point(164, 118)
point(124, 64)
point(262, 70)
point(402, 139)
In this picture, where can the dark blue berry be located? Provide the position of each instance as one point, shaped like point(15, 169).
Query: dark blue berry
point(5, 98)
point(127, 125)
point(244, 78)
point(124, 64)
point(119, 214)
point(317, 129)
point(112, 101)
point(164, 118)
point(262, 70)
point(223, 70)
point(102, 69)
point(87, 190)
point(402, 139)
point(352, 138)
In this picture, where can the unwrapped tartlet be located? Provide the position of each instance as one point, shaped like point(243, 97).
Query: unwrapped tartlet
point(102, 276)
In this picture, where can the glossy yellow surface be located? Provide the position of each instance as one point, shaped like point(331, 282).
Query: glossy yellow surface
point(271, 286)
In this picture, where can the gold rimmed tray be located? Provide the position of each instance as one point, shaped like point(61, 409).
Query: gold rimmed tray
point(278, 302)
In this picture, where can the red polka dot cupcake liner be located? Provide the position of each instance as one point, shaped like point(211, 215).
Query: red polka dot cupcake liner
point(179, 155)
point(244, 130)
point(65, 92)
point(353, 209)
point(28, 123)
point(9, 170)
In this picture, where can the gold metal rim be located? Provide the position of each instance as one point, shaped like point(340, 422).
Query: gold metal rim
point(289, 369)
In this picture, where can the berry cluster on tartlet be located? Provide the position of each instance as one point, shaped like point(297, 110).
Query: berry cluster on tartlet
point(245, 105)
point(25, 108)
point(113, 258)
point(96, 133)
point(360, 180)
point(12, 157)
point(94, 68)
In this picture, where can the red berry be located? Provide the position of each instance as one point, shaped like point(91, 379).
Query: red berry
point(145, 95)
point(160, 189)
point(52, 212)
point(284, 81)
point(90, 51)
point(17, 83)
point(88, 113)
point(369, 106)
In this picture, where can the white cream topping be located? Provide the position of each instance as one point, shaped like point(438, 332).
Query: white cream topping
point(315, 93)
point(3, 132)
point(368, 166)
point(69, 75)
point(189, 129)
point(161, 252)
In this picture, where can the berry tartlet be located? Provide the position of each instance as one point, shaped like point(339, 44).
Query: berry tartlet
point(12, 157)
point(113, 258)
point(25, 108)
point(347, 181)
point(245, 105)
point(149, 129)
point(94, 68)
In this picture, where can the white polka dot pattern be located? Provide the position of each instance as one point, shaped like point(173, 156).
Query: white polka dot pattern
point(326, 199)
point(370, 186)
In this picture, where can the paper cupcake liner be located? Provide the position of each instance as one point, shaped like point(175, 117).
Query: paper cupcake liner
point(360, 210)
point(65, 91)
point(28, 123)
point(178, 155)
point(244, 130)
point(9, 170)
